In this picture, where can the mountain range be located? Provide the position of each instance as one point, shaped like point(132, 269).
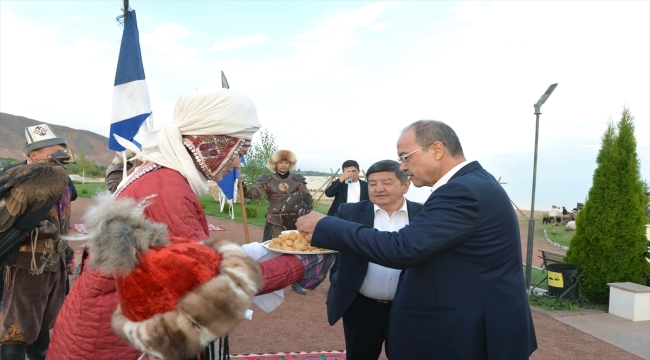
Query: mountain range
point(12, 138)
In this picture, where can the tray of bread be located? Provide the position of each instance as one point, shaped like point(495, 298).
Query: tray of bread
point(293, 242)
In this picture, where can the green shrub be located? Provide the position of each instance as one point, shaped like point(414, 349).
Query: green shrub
point(204, 205)
point(226, 207)
point(252, 212)
point(84, 191)
point(610, 230)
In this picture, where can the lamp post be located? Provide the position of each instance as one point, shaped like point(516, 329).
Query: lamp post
point(531, 221)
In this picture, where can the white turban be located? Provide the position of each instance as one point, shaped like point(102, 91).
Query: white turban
point(201, 111)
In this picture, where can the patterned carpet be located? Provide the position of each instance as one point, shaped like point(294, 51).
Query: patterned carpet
point(325, 355)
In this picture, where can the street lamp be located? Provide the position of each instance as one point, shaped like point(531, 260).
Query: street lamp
point(531, 221)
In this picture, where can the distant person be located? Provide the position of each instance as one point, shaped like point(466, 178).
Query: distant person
point(346, 189)
point(554, 214)
point(362, 292)
point(115, 171)
point(461, 294)
point(566, 215)
point(277, 187)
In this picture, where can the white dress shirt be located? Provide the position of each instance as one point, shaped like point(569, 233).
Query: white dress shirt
point(445, 178)
point(381, 282)
point(354, 192)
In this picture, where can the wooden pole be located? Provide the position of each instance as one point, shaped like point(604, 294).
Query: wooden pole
point(242, 201)
point(513, 203)
point(327, 183)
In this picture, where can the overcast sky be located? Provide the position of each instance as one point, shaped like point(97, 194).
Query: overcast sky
point(338, 80)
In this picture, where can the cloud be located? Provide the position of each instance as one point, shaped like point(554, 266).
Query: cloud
point(330, 37)
point(49, 80)
point(160, 41)
point(234, 43)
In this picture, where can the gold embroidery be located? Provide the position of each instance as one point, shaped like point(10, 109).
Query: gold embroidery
point(11, 334)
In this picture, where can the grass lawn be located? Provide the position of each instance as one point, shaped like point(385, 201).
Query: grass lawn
point(559, 234)
point(89, 189)
point(212, 208)
point(551, 303)
point(536, 276)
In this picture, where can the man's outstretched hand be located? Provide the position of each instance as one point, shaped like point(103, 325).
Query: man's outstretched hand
point(307, 223)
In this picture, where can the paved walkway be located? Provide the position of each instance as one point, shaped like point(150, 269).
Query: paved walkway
point(631, 336)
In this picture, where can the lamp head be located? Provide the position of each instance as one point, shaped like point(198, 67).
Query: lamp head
point(542, 99)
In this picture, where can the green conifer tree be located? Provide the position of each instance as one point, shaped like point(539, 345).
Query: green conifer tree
point(610, 230)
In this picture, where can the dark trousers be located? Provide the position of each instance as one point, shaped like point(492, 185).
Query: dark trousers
point(365, 326)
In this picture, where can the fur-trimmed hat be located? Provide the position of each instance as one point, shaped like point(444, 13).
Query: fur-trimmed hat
point(281, 155)
point(176, 295)
point(40, 136)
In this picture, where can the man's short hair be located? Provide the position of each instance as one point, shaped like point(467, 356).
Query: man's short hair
point(387, 166)
point(348, 163)
point(429, 131)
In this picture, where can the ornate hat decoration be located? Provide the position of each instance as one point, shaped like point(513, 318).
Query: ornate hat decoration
point(40, 136)
point(176, 295)
point(281, 155)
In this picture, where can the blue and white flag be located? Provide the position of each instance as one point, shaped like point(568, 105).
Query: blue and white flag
point(131, 106)
point(228, 186)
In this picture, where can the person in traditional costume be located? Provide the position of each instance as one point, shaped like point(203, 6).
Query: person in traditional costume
point(277, 187)
point(35, 280)
point(115, 171)
point(211, 130)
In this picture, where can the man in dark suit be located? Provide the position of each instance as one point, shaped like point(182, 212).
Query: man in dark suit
point(346, 189)
point(462, 293)
point(362, 292)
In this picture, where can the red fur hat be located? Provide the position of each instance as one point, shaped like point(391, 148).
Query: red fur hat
point(176, 295)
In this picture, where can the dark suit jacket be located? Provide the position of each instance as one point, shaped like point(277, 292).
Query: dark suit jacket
point(462, 293)
point(352, 268)
point(340, 192)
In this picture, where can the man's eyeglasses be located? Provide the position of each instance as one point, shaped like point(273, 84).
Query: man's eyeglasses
point(403, 158)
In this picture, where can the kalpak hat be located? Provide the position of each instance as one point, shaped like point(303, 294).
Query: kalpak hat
point(40, 136)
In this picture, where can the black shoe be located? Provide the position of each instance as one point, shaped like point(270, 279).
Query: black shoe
point(38, 349)
point(299, 289)
point(12, 352)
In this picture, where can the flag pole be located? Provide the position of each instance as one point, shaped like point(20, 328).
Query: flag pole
point(242, 201)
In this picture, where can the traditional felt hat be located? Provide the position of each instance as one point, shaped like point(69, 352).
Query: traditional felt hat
point(281, 155)
point(176, 295)
point(40, 136)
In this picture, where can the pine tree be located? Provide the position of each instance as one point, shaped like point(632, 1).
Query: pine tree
point(610, 230)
